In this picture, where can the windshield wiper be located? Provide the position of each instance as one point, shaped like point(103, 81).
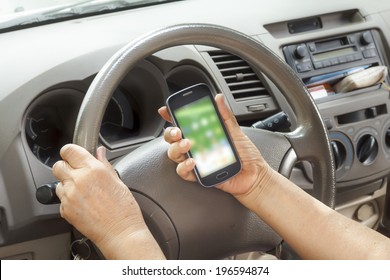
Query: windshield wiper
point(79, 9)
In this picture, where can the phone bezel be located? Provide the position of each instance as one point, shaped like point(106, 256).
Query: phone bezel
point(192, 94)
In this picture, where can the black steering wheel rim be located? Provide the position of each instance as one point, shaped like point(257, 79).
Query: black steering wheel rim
point(309, 124)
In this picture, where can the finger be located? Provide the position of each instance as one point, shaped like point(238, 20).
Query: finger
point(60, 191)
point(227, 116)
point(225, 112)
point(62, 170)
point(76, 156)
point(186, 170)
point(163, 111)
point(178, 150)
point(101, 156)
point(172, 134)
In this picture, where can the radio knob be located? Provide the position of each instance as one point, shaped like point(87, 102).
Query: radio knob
point(300, 51)
point(366, 38)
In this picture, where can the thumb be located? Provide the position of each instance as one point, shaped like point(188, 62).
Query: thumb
point(101, 156)
point(228, 116)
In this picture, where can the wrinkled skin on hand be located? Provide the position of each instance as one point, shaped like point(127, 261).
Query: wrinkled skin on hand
point(255, 171)
point(99, 204)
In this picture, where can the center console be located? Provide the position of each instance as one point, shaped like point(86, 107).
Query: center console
point(325, 62)
point(358, 120)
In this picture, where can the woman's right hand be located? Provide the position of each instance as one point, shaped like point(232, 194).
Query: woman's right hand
point(255, 172)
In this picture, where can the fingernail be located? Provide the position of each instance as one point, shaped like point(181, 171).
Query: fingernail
point(189, 162)
point(173, 132)
point(183, 143)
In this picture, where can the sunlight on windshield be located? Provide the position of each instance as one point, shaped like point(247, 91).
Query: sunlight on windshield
point(18, 7)
point(14, 6)
point(19, 14)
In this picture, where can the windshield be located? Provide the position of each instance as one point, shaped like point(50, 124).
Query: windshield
point(18, 14)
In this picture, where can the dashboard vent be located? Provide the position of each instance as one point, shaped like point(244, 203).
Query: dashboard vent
point(239, 76)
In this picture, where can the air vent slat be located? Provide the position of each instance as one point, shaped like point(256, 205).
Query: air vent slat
point(247, 84)
point(245, 76)
point(236, 69)
point(221, 57)
point(239, 76)
point(228, 62)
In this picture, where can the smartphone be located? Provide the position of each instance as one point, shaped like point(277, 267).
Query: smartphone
point(194, 111)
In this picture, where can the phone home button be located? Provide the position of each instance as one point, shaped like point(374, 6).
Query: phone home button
point(221, 175)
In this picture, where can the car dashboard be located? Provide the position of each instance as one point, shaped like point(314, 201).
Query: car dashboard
point(46, 71)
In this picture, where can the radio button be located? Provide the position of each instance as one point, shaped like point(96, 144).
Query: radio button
point(349, 58)
point(352, 39)
point(304, 67)
point(342, 59)
point(318, 65)
point(366, 38)
point(369, 53)
point(357, 56)
point(334, 61)
point(300, 51)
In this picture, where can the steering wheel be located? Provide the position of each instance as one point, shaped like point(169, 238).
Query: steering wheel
point(187, 220)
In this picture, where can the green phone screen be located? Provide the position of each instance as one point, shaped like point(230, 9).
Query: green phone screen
point(209, 146)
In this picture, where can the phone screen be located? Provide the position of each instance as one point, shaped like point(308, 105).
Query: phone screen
point(210, 147)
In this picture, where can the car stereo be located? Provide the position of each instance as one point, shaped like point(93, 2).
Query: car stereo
point(315, 58)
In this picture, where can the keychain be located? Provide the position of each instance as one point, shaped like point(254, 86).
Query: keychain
point(77, 256)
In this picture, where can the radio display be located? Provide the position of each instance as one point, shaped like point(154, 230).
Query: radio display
point(333, 54)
